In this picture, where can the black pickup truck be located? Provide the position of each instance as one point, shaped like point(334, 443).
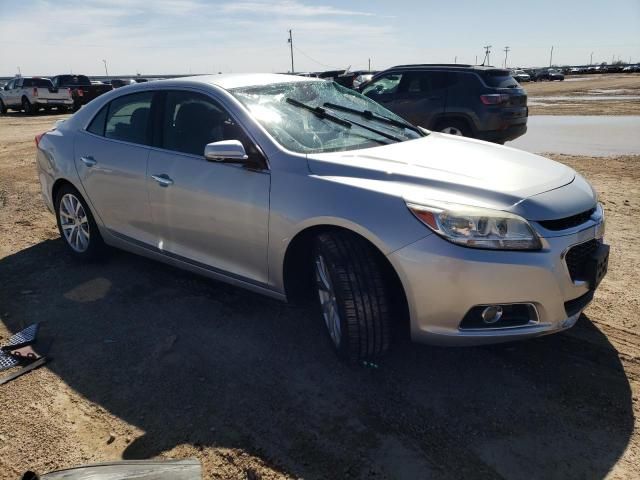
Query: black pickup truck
point(82, 90)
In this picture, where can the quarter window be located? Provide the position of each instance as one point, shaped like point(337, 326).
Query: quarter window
point(97, 124)
point(128, 118)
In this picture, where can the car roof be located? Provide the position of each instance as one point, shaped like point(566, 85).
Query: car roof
point(238, 80)
point(456, 66)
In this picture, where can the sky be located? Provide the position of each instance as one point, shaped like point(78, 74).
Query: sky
point(44, 37)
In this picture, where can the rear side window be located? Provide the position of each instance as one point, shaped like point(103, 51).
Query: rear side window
point(128, 118)
point(499, 79)
point(73, 80)
point(97, 124)
point(37, 82)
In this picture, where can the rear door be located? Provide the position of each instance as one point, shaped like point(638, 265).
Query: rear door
point(111, 159)
point(211, 214)
point(9, 93)
point(421, 97)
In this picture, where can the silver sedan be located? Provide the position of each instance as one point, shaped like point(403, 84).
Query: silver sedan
point(300, 189)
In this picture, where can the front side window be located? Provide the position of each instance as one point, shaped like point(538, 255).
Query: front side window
point(388, 84)
point(128, 118)
point(192, 120)
point(320, 116)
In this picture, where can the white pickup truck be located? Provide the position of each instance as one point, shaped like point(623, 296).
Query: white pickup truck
point(30, 94)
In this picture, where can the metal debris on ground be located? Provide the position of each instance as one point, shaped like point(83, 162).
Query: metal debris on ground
point(19, 351)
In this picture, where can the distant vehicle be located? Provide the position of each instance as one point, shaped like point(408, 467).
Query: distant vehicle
point(631, 68)
point(390, 227)
point(82, 90)
point(577, 70)
point(119, 82)
point(520, 76)
point(30, 94)
point(362, 79)
point(140, 80)
point(471, 101)
point(549, 74)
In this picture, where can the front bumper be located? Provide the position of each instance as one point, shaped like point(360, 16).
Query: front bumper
point(443, 281)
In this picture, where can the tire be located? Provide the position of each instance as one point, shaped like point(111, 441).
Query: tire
point(77, 226)
point(3, 108)
point(353, 296)
point(453, 127)
point(27, 106)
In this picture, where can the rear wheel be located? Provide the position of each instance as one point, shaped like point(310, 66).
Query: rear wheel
point(76, 224)
point(353, 295)
point(27, 106)
point(454, 127)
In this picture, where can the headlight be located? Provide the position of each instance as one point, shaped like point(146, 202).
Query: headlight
point(478, 227)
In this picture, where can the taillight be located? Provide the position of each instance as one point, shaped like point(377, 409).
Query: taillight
point(80, 92)
point(39, 137)
point(35, 91)
point(494, 99)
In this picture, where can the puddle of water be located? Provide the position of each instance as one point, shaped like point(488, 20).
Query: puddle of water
point(594, 135)
point(610, 91)
point(584, 98)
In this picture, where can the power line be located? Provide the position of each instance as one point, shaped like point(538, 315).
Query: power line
point(314, 60)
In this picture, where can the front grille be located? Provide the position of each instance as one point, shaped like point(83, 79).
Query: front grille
point(568, 222)
point(577, 257)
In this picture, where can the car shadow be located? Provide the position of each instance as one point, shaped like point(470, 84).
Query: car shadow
point(195, 362)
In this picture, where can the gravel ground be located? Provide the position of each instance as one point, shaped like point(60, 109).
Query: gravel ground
point(150, 361)
point(582, 95)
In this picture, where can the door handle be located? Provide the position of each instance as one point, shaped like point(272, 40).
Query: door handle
point(163, 180)
point(88, 161)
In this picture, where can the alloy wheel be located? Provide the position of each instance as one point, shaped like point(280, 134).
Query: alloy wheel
point(74, 223)
point(328, 302)
point(452, 131)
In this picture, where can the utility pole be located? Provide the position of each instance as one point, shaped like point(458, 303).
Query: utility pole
point(487, 51)
point(369, 64)
point(476, 60)
point(551, 57)
point(506, 54)
point(105, 69)
point(591, 59)
point(455, 59)
point(291, 48)
point(19, 72)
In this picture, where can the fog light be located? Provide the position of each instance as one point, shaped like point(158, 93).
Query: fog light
point(492, 314)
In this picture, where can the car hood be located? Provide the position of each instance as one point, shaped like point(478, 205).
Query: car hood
point(446, 168)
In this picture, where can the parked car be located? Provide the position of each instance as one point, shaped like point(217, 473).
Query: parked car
point(520, 76)
point(549, 74)
point(631, 69)
point(82, 90)
point(471, 101)
point(299, 188)
point(30, 94)
point(118, 82)
point(361, 79)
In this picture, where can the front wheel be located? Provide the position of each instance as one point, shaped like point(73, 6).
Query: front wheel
point(76, 225)
point(3, 108)
point(353, 295)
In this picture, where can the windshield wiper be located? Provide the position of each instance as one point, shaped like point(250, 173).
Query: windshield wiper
point(322, 113)
point(319, 112)
point(368, 114)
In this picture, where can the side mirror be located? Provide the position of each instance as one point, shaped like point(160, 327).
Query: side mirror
point(225, 151)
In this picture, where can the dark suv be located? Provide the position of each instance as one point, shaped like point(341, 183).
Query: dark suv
point(479, 102)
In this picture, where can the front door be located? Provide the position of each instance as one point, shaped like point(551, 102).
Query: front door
point(111, 159)
point(212, 214)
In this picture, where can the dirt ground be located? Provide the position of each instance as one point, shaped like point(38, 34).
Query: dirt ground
point(583, 91)
point(149, 361)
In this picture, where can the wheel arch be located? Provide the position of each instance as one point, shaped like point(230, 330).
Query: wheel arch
point(460, 117)
point(297, 271)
